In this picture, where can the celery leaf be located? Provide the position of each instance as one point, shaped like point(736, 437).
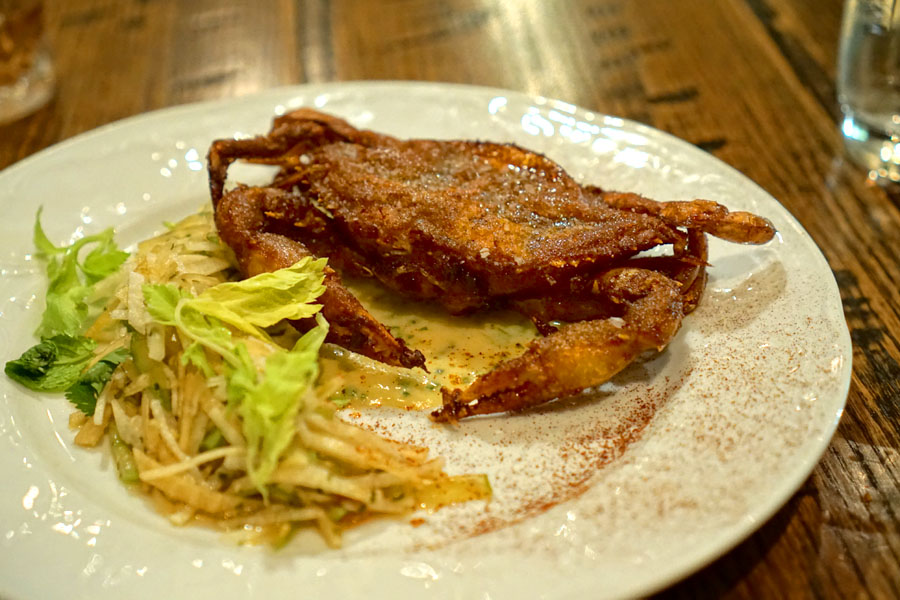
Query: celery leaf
point(267, 388)
point(267, 298)
point(270, 407)
point(72, 281)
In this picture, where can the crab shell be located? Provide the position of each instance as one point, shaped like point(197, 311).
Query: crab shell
point(471, 225)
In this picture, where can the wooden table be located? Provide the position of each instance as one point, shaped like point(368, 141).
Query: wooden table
point(750, 81)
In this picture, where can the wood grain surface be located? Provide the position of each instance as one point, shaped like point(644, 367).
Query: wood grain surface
point(750, 81)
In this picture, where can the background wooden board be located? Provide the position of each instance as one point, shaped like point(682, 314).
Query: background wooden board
point(750, 81)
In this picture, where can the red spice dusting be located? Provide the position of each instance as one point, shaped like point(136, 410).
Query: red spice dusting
point(583, 460)
point(573, 453)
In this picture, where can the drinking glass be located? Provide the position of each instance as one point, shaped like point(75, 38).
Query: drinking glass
point(26, 70)
point(869, 85)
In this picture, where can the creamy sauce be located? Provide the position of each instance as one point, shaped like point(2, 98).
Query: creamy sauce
point(457, 350)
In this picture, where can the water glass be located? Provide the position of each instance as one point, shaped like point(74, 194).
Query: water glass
point(869, 85)
point(26, 71)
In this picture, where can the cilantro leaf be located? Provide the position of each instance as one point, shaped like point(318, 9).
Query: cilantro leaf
point(83, 393)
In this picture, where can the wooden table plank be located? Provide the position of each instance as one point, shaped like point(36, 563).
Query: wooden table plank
point(845, 519)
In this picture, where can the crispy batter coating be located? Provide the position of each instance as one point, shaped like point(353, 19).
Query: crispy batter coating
point(581, 354)
point(471, 225)
point(241, 219)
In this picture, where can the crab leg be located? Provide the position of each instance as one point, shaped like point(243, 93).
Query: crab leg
point(687, 267)
point(291, 136)
point(705, 215)
point(578, 301)
point(244, 218)
point(579, 355)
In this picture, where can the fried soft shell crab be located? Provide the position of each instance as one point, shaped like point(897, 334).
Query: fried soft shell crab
point(473, 225)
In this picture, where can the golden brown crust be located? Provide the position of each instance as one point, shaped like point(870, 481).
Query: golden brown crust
point(469, 225)
point(579, 355)
point(242, 220)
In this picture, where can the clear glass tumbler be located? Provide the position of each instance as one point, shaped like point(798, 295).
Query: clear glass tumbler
point(26, 69)
point(869, 85)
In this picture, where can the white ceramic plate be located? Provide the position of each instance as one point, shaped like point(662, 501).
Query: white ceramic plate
point(667, 468)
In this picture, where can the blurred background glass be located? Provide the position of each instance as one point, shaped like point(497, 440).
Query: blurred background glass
point(26, 70)
point(869, 85)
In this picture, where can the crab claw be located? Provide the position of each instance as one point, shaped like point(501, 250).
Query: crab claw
point(579, 355)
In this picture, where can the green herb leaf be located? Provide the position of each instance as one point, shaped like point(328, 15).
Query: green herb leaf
point(195, 355)
point(340, 401)
point(247, 306)
point(104, 260)
point(71, 281)
point(65, 311)
point(162, 300)
point(270, 407)
point(83, 393)
point(208, 332)
point(53, 365)
point(44, 247)
point(267, 391)
point(267, 298)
